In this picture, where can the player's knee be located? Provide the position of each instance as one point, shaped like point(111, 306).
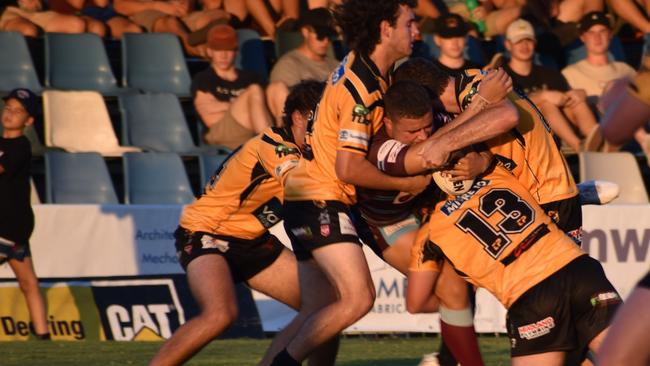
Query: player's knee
point(220, 318)
point(27, 283)
point(360, 303)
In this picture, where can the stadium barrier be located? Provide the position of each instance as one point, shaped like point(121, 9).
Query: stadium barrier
point(110, 272)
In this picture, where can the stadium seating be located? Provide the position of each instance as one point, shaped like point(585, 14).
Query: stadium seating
point(78, 62)
point(617, 167)
point(16, 68)
point(251, 55)
point(78, 178)
point(155, 178)
point(78, 121)
point(208, 164)
point(155, 122)
point(154, 62)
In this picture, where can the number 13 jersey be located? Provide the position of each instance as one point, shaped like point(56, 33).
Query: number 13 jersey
point(499, 237)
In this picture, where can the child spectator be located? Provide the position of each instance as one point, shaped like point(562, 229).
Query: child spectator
point(16, 216)
point(229, 101)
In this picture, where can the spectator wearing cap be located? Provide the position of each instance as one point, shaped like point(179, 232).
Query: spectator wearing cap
point(597, 72)
point(16, 216)
point(450, 32)
point(565, 109)
point(309, 61)
point(229, 101)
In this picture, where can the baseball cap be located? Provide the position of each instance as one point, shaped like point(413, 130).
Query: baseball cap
point(594, 18)
point(27, 98)
point(518, 30)
point(222, 37)
point(321, 20)
point(450, 25)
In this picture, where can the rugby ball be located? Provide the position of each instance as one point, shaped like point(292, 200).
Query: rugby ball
point(452, 188)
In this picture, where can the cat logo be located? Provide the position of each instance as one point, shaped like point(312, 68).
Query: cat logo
point(143, 309)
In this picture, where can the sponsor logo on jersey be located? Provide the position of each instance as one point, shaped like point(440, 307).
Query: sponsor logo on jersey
point(454, 204)
point(269, 213)
point(605, 298)
point(146, 309)
point(340, 71)
point(284, 150)
point(303, 232)
point(359, 113)
point(353, 136)
point(537, 329)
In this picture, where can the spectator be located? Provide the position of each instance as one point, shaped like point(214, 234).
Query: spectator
point(308, 61)
point(98, 15)
point(29, 18)
point(270, 15)
point(495, 14)
point(597, 71)
point(16, 216)
point(173, 16)
point(630, 10)
point(450, 37)
point(565, 109)
point(229, 101)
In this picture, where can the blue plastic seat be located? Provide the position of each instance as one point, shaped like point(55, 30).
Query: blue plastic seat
point(16, 68)
point(155, 178)
point(155, 122)
point(154, 62)
point(251, 55)
point(78, 178)
point(209, 164)
point(78, 62)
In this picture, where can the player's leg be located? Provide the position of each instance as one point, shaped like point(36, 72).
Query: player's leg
point(540, 359)
point(213, 289)
point(280, 281)
point(28, 282)
point(345, 267)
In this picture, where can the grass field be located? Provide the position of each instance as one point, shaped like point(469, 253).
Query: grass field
point(355, 351)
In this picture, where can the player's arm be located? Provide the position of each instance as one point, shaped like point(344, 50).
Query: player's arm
point(354, 168)
point(277, 156)
point(433, 152)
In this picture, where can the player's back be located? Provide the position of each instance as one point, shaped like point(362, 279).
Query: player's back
point(529, 150)
point(244, 196)
point(498, 236)
point(349, 113)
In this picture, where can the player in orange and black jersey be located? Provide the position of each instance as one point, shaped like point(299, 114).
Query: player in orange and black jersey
point(223, 236)
point(528, 150)
point(558, 298)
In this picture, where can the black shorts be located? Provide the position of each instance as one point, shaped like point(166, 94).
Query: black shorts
point(314, 224)
point(567, 215)
point(246, 258)
point(17, 250)
point(381, 237)
point(564, 312)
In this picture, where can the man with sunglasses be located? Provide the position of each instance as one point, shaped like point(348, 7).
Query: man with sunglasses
point(309, 61)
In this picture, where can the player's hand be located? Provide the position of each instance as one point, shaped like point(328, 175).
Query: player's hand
point(433, 155)
point(416, 184)
point(495, 86)
point(469, 166)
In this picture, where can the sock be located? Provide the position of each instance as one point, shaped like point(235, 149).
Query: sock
point(284, 359)
point(44, 337)
point(457, 330)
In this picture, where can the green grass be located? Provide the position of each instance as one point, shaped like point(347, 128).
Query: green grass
point(355, 351)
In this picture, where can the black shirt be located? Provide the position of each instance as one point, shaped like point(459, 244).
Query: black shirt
point(223, 90)
point(540, 78)
point(457, 71)
point(16, 216)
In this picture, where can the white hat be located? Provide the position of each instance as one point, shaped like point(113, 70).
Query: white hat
point(518, 30)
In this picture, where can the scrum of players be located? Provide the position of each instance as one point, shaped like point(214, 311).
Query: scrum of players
point(353, 166)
